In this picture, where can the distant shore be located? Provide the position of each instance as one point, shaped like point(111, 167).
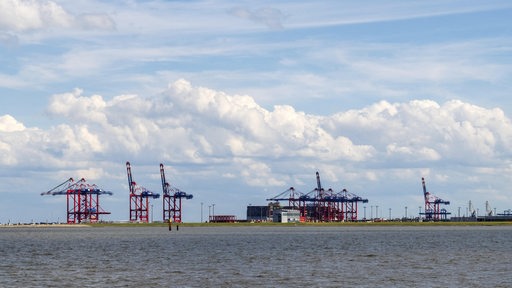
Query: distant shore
point(258, 224)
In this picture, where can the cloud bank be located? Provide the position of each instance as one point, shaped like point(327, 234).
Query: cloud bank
point(201, 126)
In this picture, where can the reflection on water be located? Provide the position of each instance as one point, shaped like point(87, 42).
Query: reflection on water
point(257, 257)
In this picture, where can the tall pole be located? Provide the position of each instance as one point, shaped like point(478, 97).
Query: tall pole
point(209, 213)
point(389, 213)
point(364, 212)
point(371, 212)
point(213, 211)
point(405, 212)
point(201, 212)
point(376, 211)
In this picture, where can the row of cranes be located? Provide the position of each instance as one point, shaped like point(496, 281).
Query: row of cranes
point(139, 199)
point(320, 205)
point(83, 200)
point(474, 213)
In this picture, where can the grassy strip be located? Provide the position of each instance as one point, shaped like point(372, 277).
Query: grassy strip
point(307, 224)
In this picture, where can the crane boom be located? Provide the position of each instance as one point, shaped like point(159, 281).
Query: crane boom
point(318, 184)
point(425, 193)
point(51, 191)
point(164, 183)
point(130, 179)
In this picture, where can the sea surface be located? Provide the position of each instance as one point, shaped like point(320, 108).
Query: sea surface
point(292, 256)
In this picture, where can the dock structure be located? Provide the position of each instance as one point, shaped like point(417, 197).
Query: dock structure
point(321, 205)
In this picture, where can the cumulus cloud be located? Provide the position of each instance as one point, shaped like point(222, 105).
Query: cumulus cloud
point(26, 15)
point(423, 130)
point(197, 125)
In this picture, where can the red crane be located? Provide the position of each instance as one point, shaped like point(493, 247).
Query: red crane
point(433, 210)
point(139, 199)
point(171, 199)
point(322, 205)
point(83, 202)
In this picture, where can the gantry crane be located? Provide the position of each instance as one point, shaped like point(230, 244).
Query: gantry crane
point(322, 205)
point(488, 209)
point(139, 199)
point(171, 199)
point(433, 210)
point(83, 202)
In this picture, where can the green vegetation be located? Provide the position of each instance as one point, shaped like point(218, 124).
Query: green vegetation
point(307, 224)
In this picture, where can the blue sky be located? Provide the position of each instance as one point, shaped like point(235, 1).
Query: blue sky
point(242, 100)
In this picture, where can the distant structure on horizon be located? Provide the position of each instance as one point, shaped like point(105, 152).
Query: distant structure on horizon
point(318, 205)
point(139, 199)
point(172, 199)
point(433, 210)
point(83, 200)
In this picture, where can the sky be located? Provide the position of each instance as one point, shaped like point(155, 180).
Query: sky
point(242, 100)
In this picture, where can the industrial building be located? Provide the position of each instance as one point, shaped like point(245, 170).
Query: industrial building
point(286, 216)
point(258, 213)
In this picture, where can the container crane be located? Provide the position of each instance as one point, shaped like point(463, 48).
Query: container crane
point(172, 199)
point(139, 199)
point(322, 205)
point(488, 209)
point(83, 202)
point(433, 210)
point(471, 209)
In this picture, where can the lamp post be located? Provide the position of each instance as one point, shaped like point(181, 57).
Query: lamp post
point(371, 212)
point(201, 212)
point(377, 211)
point(151, 213)
point(209, 213)
point(213, 211)
point(405, 212)
point(364, 212)
point(389, 214)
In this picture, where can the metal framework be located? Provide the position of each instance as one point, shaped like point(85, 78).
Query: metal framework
point(172, 199)
point(139, 199)
point(320, 205)
point(83, 200)
point(433, 210)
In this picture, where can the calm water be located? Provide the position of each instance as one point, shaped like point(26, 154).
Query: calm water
point(257, 257)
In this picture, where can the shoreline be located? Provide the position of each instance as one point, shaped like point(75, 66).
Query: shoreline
point(260, 224)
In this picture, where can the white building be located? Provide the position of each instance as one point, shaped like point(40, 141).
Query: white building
point(286, 216)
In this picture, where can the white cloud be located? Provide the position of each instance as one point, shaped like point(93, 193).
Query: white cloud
point(268, 16)
point(10, 124)
point(188, 124)
point(26, 15)
point(422, 130)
